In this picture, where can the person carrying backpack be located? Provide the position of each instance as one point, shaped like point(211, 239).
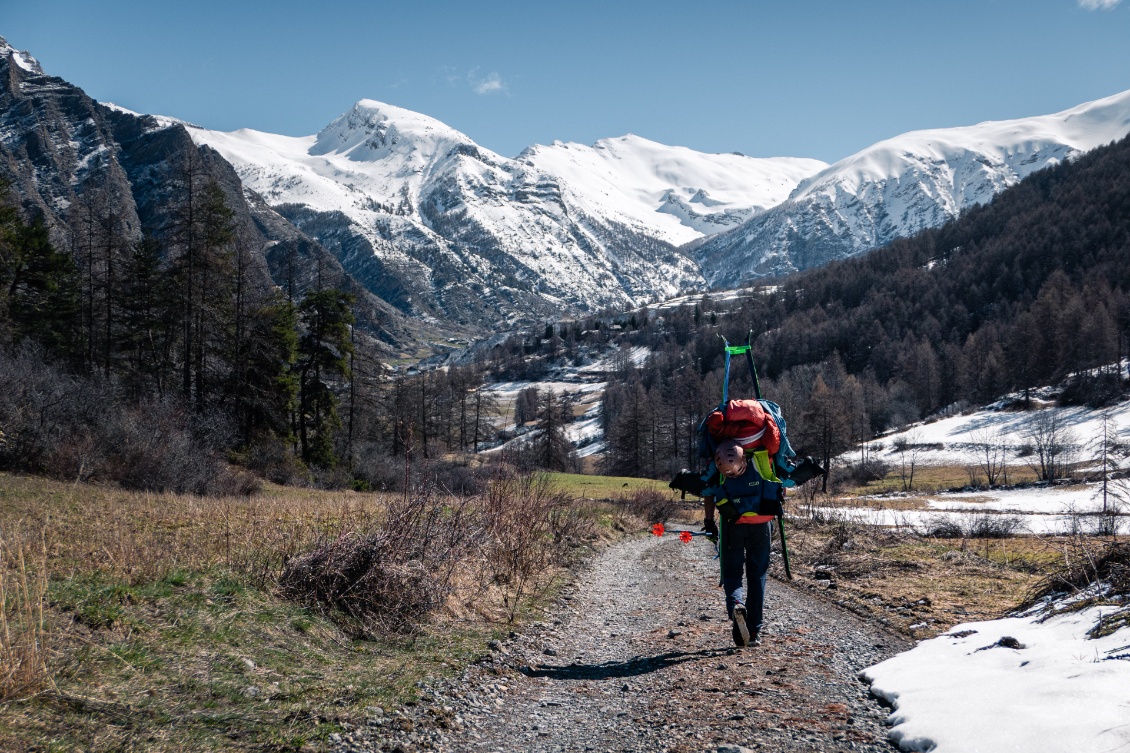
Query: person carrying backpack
point(747, 504)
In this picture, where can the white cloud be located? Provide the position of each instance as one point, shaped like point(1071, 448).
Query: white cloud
point(1098, 4)
point(491, 84)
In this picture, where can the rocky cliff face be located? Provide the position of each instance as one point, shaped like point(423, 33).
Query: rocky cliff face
point(59, 148)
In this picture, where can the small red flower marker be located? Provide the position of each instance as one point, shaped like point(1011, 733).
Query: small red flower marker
point(685, 537)
point(657, 529)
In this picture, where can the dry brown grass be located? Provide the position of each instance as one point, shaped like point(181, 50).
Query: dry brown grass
point(142, 537)
point(905, 580)
point(23, 588)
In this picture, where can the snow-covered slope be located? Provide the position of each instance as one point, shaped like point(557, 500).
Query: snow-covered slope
point(441, 226)
point(678, 193)
point(900, 186)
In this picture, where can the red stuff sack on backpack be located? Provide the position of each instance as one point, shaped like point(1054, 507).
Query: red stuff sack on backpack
point(747, 423)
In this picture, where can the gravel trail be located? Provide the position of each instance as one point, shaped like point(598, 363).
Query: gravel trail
point(639, 657)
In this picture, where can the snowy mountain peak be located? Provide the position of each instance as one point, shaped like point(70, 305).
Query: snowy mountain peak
point(371, 131)
point(22, 59)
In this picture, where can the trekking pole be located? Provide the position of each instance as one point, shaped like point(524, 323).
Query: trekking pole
point(784, 546)
point(752, 367)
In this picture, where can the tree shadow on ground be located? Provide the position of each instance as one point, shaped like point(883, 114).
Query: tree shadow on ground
point(639, 665)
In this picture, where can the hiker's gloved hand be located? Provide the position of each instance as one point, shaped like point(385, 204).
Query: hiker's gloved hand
point(711, 528)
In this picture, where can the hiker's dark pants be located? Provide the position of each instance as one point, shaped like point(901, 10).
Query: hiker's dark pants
point(745, 547)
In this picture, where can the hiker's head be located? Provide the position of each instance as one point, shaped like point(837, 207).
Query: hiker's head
point(730, 458)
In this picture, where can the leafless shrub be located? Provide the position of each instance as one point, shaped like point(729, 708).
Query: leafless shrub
point(988, 526)
point(391, 576)
point(1053, 444)
point(991, 451)
point(908, 449)
point(1077, 578)
point(651, 505)
point(78, 429)
point(865, 471)
point(943, 528)
point(531, 527)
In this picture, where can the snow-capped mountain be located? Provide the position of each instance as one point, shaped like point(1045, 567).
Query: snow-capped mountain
point(678, 193)
point(900, 186)
point(441, 226)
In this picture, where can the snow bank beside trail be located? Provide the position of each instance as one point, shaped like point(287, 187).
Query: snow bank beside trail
point(965, 692)
point(1044, 500)
point(1041, 510)
point(924, 520)
point(953, 438)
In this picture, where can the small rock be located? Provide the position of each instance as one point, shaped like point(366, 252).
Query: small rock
point(733, 749)
point(248, 663)
point(1009, 642)
point(251, 691)
point(495, 645)
point(674, 633)
point(549, 651)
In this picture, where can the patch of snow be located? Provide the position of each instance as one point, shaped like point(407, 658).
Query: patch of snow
point(965, 692)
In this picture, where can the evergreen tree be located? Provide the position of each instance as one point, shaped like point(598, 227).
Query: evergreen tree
point(40, 289)
point(323, 360)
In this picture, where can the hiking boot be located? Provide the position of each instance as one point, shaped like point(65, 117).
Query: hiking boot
point(754, 638)
point(741, 629)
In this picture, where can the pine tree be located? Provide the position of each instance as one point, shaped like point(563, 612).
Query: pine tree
point(323, 359)
point(40, 289)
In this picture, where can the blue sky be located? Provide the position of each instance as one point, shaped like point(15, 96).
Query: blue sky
point(802, 78)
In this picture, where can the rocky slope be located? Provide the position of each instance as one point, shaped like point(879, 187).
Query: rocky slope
point(59, 149)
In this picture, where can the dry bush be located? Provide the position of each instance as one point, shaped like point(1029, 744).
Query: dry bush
point(986, 526)
point(23, 588)
point(531, 528)
point(943, 528)
point(1082, 569)
point(396, 572)
point(652, 505)
point(1092, 581)
point(389, 576)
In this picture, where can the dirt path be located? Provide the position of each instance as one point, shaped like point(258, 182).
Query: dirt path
point(640, 659)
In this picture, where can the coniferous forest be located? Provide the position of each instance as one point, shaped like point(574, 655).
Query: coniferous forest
point(164, 363)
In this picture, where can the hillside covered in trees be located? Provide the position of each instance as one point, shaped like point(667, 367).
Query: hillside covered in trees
point(1028, 290)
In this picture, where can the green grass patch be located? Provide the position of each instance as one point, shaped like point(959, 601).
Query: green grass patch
point(207, 662)
point(604, 487)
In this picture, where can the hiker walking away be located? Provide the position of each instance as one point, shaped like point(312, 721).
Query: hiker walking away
point(747, 504)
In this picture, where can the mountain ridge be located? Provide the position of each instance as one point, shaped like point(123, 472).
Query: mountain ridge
point(902, 185)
